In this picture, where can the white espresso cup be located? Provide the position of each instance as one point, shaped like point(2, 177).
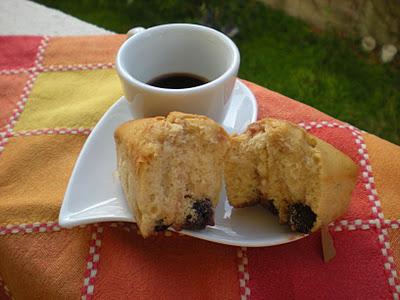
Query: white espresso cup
point(175, 49)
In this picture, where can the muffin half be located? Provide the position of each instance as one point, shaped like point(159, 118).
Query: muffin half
point(303, 179)
point(171, 170)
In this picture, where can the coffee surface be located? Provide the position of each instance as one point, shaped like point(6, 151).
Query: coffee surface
point(177, 81)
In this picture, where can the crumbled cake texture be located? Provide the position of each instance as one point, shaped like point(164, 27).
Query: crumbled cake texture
point(303, 179)
point(171, 170)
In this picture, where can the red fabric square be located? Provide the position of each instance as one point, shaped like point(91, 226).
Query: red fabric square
point(297, 271)
point(360, 206)
point(18, 51)
point(341, 138)
point(175, 267)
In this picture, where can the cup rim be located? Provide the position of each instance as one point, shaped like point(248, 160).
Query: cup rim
point(231, 70)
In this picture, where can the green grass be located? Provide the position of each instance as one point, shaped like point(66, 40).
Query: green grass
point(278, 52)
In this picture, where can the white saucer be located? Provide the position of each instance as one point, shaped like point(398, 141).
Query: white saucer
point(94, 193)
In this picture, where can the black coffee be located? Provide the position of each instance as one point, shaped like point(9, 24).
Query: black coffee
point(177, 81)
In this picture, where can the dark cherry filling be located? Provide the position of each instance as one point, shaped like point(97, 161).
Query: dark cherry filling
point(301, 218)
point(201, 215)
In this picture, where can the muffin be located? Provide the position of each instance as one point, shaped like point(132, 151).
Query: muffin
point(171, 170)
point(304, 180)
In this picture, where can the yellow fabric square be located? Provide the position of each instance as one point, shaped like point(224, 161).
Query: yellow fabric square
point(70, 99)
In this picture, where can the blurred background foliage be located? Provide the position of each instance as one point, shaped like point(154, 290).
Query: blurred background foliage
point(323, 69)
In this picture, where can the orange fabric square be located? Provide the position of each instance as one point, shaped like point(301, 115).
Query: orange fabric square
point(174, 267)
point(45, 265)
point(11, 87)
point(394, 238)
point(82, 49)
point(275, 105)
point(34, 172)
point(386, 171)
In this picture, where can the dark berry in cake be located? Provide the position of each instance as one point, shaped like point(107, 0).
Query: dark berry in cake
point(301, 217)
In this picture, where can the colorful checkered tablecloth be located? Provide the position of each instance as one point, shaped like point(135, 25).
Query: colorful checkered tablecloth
point(53, 90)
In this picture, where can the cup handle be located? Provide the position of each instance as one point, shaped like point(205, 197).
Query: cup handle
point(134, 31)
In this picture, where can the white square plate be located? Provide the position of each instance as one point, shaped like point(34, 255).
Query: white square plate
point(94, 193)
